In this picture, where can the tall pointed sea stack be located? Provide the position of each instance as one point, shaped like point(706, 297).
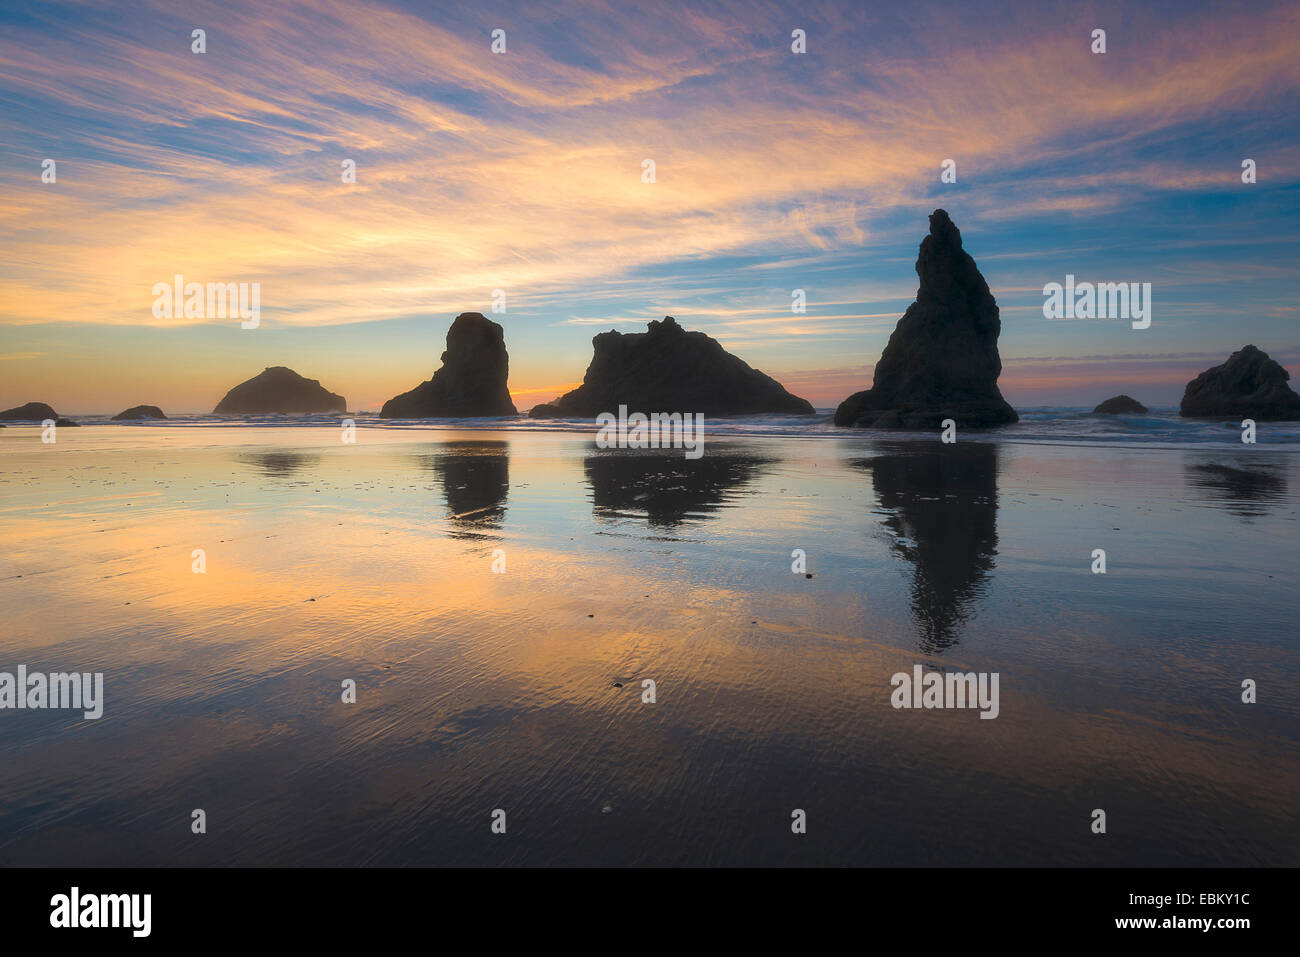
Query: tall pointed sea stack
point(942, 359)
point(667, 369)
point(472, 380)
point(1249, 384)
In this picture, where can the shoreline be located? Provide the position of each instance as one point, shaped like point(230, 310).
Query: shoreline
point(1056, 427)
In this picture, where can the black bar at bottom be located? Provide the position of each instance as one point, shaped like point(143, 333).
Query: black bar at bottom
point(302, 906)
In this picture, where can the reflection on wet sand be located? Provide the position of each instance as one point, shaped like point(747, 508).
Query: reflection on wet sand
point(942, 503)
point(1247, 492)
point(481, 690)
point(475, 479)
point(668, 489)
point(278, 464)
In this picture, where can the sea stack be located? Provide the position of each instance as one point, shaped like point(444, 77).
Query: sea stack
point(472, 380)
point(137, 412)
point(667, 369)
point(941, 362)
point(31, 412)
point(1120, 405)
point(279, 389)
point(1249, 385)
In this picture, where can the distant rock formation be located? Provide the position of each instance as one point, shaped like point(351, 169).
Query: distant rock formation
point(139, 412)
point(67, 423)
point(31, 412)
point(667, 369)
point(1249, 385)
point(1120, 405)
point(279, 389)
point(472, 380)
point(942, 359)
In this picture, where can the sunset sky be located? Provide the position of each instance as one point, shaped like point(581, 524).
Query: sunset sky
point(523, 171)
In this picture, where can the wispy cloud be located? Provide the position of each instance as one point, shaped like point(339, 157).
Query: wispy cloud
point(523, 171)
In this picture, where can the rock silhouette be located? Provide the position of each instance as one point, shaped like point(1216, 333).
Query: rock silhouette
point(1249, 384)
point(942, 359)
point(137, 412)
point(32, 411)
point(279, 389)
point(67, 423)
point(472, 380)
point(1120, 405)
point(667, 369)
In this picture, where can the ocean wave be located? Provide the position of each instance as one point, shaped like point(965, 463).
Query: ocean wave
point(1059, 425)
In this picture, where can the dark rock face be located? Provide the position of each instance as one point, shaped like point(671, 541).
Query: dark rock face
point(1120, 405)
point(942, 359)
point(668, 369)
point(472, 380)
point(139, 412)
point(1249, 385)
point(67, 424)
point(279, 389)
point(32, 411)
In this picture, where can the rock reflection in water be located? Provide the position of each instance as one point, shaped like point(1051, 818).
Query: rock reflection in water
point(941, 503)
point(475, 479)
point(666, 488)
point(278, 464)
point(1246, 491)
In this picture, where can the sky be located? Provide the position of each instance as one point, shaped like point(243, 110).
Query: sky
point(523, 171)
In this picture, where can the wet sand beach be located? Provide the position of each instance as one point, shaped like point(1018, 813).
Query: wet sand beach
point(522, 689)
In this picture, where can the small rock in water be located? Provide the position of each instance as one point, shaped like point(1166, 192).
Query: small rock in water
point(1248, 384)
point(1120, 405)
